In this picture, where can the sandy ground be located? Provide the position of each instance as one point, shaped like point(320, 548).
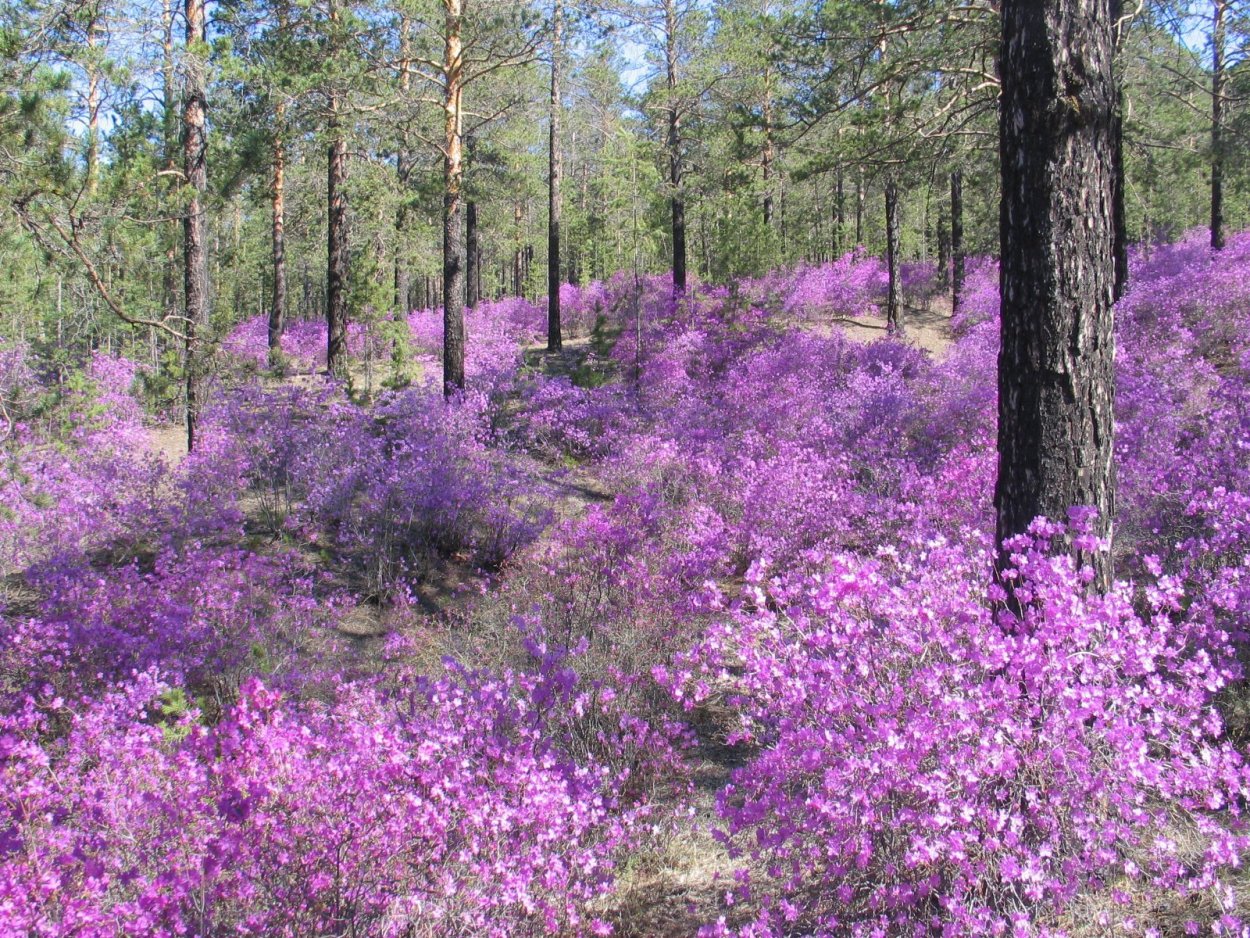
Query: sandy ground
point(928, 327)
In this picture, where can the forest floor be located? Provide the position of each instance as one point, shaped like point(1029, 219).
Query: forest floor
point(927, 326)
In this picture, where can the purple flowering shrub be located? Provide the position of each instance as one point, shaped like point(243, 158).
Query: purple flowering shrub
point(207, 617)
point(925, 765)
point(453, 809)
point(388, 487)
point(767, 452)
point(496, 333)
point(853, 285)
point(304, 343)
point(78, 477)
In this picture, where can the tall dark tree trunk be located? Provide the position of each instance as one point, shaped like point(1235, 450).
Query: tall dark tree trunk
point(677, 200)
point(453, 182)
point(306, 291)
point(1118, 209)
point(472, 256)
point(957, 238)
point(403, 278)
point(768, 153)
point(1118, 200)
point(1218, 30)
point(336, 252)
point(1055, 375)
point(943, 249)
point(518, 253)
point(840, 216)
point(554, 201)
point(195, 222)
point(859, 209)
point(893, 308)
point(277, 311)
point(336, 234)
point(403, 173)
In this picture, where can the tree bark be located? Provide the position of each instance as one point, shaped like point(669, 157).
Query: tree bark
point(1218, 29)
point(893, 308)
point(1118, 208)
point(1118, 202)
point(472, 256)
point(195, 222)
point(95, 82)
point(677, 200)
point(957, 238)
point(277, 312)
point(769, 153)
point(336, 250)
point(453, 220)
point(1055, 372)
point(555, 170)
point(403, 172)
point(840, 217)
point(859, 209)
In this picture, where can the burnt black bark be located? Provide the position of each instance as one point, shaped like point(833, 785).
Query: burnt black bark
point(839, 207)
point(555, 166)
point(336, 253)
point(1117, 130)
point(677, 201)
point(472, 256)
point(893, 307)
point(859, 210)
point(957, 238)
point(1055, 377)
point(1118, 214)
point(1218, 30)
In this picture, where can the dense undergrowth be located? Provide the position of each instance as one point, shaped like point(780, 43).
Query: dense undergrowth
point(794, 567)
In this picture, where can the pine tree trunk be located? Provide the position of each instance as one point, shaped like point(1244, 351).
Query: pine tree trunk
point(403, 279)
point(677, 202)
point(336, 236)
point(554, 202)
point(336, 252)
point(957, 238)
point(472, 256)
point(1055, 374)
point(277, 312)
point(453, 219)
point(1119, 218)
point(893, 308)
point(95, 82)
point(195, 222)
point(1218, 29)
point(840, 219)
point(768, 152)
point(403, 174)
point(859, 210)
point(1118, 204)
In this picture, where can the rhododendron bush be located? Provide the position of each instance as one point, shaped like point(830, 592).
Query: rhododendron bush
point(447, 810)
point(927, 764)
point(716, 532)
